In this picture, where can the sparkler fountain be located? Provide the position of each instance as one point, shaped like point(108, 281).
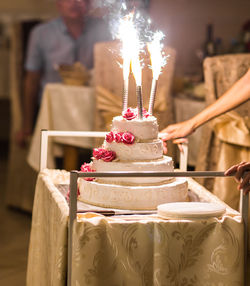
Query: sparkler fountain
point(126, 29)
point(158, 60)
point(137, 72)
point(131, 48)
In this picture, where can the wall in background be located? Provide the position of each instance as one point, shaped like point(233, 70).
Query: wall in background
point(184, 23)
point(24, 8)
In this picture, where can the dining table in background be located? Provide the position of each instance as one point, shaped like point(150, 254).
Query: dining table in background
point(63, 107)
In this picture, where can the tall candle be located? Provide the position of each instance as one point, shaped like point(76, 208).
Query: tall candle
point(152, 96)
point(139, 101)
point(125, 95)
point(158, 60)
point(136, 68)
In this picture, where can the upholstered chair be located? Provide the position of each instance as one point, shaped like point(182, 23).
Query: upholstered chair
point(226, 139)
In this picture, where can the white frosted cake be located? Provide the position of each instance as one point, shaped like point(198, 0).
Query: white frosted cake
point(132, 145)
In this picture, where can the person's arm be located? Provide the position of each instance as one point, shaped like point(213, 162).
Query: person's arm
point(236, 95)
point(241, 173)
point(33, 66)
point(31, 87)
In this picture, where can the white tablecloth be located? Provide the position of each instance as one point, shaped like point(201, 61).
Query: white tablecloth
point(67, 108)
point(132, 250)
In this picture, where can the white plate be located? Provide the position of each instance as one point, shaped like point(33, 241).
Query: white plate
point(190, 210)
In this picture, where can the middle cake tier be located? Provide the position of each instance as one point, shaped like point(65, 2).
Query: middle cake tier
point(138, 151)
point(165, 164)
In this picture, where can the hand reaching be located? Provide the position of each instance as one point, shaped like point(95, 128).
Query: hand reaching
point(177, 132)
point(241, 173)
point(22, 138)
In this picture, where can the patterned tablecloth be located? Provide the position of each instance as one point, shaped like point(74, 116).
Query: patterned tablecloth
point(66, 108)
point(132, 249)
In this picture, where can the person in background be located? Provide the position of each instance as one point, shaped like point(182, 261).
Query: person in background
point(236, 95)
point(241, 173)
point(67, 39)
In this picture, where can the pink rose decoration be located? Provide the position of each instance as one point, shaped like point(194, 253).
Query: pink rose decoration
point(87, 168)
point(118, 137)
point(98, 153)
point(105, 155)
point(145, 113)
point(129, 114)
point(109, 137)
point(109, 156)
point(68, 194)
point(128, 138)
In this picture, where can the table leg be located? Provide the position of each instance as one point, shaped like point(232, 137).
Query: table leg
point(72, 218)
point(244, 201)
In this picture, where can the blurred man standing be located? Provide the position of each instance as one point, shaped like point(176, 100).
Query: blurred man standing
point(67, 39)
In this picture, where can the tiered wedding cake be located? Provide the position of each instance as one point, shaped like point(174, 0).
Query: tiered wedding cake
point(132, 145)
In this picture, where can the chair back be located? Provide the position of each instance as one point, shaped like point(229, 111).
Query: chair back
point(221, 73)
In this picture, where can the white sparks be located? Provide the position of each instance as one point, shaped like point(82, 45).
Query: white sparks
point(158, 59)
point(124, 7)
point(130, 48)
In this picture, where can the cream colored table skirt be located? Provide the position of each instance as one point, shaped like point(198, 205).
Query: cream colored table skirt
point(67, 108)
point(131, 250)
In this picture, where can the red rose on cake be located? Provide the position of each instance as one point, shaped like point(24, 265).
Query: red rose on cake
point(133, 113)
point(145, 113)
point(109, 156)
point(87, 168)
point(118, 137)
point(109, 137)
point(129, 114)
point(98, 153)
point(103, 154)
point(128, 138)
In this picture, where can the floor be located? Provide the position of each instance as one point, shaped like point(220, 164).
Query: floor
point(14, 236)
point(15, 228)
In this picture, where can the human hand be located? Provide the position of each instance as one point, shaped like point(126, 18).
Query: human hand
point(22, 138)
point(241, 173)
point(177, 132)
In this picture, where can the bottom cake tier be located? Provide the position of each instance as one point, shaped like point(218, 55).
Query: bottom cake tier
point(132, 197)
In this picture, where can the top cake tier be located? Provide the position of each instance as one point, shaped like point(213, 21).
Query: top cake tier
point(146, 129)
